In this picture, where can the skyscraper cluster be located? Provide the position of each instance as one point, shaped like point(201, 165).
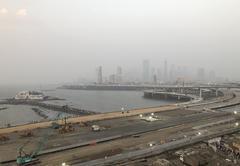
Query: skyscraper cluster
point(146, 71)
point(151, 75)
point(173, 74)
point(164, 73)
point(115, 78)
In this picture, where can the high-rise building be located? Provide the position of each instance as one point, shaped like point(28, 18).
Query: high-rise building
point(119, 75)
point(201, 74)
point(159, 75)
point(212, 76)
point(154, 79)
point(146, 71)
point(112, 79)
point(165, 71)
point(172, 73)
point(153, 73)
point(99, 75)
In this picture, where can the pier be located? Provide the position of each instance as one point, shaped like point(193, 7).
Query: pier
point(127, 129)
point(65, 109)
point(168, 96)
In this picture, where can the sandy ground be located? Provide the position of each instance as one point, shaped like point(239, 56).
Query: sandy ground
point(88, 118)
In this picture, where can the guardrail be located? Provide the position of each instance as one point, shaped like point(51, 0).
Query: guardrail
point(155, 150)
point(119, 136)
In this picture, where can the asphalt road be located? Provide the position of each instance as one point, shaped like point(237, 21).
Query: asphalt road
point(137, 127)
point(155, 150)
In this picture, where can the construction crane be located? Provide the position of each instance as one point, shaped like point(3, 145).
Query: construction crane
point(26, 159)
point(66, 127)
point(63, 127)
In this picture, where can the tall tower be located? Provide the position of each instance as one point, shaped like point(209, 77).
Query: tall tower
point(212, 76)
point(172, 73)
point(201, 74)
point(112, 79)
point(155, 79)
point(99, 75)
point(146, 71)
point(159, 74)
point(119, 75)
point(165, 71)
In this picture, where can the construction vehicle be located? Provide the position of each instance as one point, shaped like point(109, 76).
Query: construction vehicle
point(4, 138)
point(27, 133)
point(66, 127)
point(26, 159)
point(99, 128)
point(96, 128)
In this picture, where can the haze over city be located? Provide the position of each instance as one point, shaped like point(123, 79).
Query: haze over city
point(119, 82)
point(59, 41)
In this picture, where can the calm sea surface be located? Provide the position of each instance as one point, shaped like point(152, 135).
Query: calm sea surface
point(99, 101)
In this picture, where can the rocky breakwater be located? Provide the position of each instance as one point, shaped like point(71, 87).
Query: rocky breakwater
point(40, 103)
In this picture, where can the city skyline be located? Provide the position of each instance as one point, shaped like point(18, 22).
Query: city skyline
point(162, 73)
point(38, 45)
point(119, 82)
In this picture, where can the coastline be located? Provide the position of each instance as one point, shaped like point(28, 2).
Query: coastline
point(48, 111)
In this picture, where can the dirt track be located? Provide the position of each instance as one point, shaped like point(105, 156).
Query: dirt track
point(88, 118)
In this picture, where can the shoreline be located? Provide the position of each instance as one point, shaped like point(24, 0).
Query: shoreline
point(40, 103)
point(43, 109)
point(40, 113)
point(88, 118)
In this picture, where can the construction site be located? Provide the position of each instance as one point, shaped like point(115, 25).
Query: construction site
point(119, 83)
point(176, 134)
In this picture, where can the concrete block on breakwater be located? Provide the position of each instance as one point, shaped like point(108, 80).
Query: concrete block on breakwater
point(66, 109)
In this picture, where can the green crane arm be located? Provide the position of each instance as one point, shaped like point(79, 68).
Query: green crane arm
point(20, 149)
point(40, 146)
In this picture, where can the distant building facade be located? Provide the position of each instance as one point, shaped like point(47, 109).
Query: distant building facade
point(119, 75)
point(165, 71)
point(201, 74)
point(112, 79)
point(145, 71)
point(159, 75)
point(99, 75)
point(29, 95)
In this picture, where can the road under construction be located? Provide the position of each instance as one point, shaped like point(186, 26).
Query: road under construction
point(125, 136)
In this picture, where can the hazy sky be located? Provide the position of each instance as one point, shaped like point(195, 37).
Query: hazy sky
point(48, 41)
